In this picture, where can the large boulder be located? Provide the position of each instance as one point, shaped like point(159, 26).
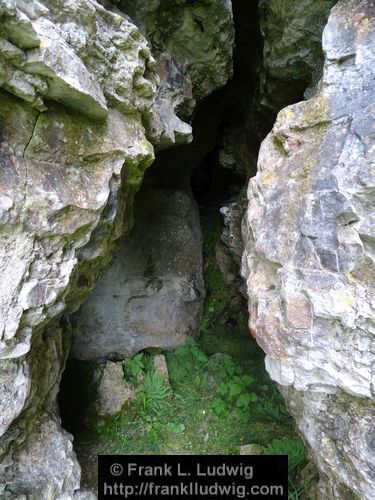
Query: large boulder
point(152, 294)
point(309, 256)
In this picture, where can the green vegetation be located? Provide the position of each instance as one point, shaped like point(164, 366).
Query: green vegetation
point(191, 406)
point(293, 447)
point(154, 393)
point(219, 396)
point(134, 366)
point(234, 396)
point(213, 405)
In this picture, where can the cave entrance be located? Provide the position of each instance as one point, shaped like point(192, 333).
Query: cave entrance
point(212, 172)
point(210, 176)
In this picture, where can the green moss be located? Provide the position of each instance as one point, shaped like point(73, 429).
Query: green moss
point(278, 141)
point(314, 114)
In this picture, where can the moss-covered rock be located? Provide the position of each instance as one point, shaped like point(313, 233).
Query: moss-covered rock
point(293, 56)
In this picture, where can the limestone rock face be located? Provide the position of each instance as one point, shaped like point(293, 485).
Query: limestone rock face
point(61, 189)
point(76, 53)
point(199, 35)
point(68, 177)
point(152, 294)
point(46, 464)
point(309, 256)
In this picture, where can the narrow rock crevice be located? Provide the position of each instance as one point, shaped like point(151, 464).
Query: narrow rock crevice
point(168, 280)
point(159, 289)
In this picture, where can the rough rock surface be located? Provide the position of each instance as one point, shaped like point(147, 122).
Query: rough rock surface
point(48, 453)
point(61, 189)
point(76, 53)
point(292, 33)
point(309, 256)
point(193, 46)
point(198, 36)
point(68, 175)
point(113, 393)
point(232, 215)
point(152, 294)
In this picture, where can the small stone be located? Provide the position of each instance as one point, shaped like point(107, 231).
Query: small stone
point(160, 366)
point(113, 393)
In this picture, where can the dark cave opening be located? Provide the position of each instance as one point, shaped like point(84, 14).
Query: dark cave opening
point(212, 185)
